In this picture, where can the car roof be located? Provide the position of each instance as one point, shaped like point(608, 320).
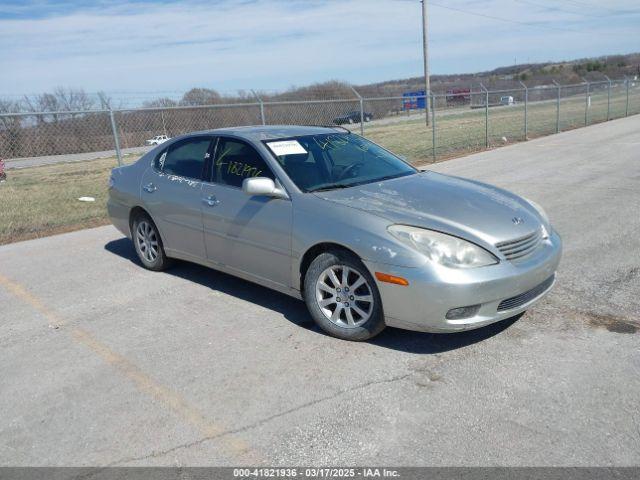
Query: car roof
point(271, 132)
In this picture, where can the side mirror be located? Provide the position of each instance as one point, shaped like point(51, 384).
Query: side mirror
point(262, 186)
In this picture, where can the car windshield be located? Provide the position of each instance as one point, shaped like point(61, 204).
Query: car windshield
point(335, 160)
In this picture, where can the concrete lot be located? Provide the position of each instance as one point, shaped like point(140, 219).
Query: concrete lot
point(104, 363)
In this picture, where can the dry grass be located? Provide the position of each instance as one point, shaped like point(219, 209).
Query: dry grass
point(40, 201)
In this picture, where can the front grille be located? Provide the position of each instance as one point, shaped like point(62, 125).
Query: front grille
point(520, 247)
point(526, 297)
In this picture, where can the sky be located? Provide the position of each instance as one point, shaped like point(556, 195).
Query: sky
point(163, 46)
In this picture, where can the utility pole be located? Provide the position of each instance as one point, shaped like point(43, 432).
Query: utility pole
point(425, 50)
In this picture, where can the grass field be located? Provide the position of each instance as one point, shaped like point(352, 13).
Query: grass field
point(464, 132)
point(40, 201)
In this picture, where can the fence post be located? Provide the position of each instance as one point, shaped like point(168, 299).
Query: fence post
point(608, 98)
point(526, 102)
point(164, 125)
point(626, 109)
point(586, 104)
point(361, 110)
point(115, 137)
point(486, 115)
point(261, 106)
point(433, 126)
point(557, 106)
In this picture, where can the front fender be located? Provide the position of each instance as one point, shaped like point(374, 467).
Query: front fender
point(363, 233)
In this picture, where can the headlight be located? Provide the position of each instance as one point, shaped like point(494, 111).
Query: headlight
point(444, 249)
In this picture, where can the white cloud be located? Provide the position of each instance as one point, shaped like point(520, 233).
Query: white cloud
point(276, 43)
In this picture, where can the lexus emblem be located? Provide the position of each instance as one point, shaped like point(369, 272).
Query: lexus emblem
point(517, 220)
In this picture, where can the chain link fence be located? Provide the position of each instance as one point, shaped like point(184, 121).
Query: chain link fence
point(457, 123)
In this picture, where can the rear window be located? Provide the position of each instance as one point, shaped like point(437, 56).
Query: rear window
point(185, 159)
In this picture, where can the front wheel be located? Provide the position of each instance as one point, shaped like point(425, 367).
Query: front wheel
point(342, 297)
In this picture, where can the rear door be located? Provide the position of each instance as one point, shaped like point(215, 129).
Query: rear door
point(250, 234)
point(171, 193)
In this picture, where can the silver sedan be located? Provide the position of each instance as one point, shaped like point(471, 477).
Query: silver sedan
point(324, 215)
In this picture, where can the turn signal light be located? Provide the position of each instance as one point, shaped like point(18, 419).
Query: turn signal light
point(385, 277)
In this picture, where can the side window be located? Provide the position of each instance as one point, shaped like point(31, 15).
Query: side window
point(185, 159)
point(235, 161)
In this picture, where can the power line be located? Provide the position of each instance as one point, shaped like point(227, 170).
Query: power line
point(580, 5)
point(556, 9)
point(592, 5)
point(507, 20)
point(528, 24)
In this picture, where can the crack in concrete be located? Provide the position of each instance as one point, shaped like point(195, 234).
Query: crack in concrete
point(259, 423)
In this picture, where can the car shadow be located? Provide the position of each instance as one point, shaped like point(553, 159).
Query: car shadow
point(295, 310)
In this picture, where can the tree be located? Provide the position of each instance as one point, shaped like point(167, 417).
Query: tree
point(160, 103)
point(71, 99)
point(200, 96)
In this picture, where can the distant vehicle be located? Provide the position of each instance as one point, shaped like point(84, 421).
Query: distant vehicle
point(157, 140)
point(507, 100)
point(459, 96)
point(353, 117)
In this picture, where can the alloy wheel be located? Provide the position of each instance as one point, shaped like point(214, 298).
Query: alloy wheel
point(344, 296)
point(147, 240)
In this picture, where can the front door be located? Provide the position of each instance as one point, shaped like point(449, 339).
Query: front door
point(171, 193)
point(250, 234)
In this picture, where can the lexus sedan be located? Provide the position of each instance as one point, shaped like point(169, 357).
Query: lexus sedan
point(326, 216)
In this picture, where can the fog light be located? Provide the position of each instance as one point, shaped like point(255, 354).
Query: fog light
point(462, 312)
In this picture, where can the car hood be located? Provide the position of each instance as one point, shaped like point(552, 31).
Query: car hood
point(454, 205)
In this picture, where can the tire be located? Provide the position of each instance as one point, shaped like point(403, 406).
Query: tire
point(357, 320)
point(148, 244)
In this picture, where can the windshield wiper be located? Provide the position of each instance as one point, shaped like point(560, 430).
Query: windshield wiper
point(330, 186)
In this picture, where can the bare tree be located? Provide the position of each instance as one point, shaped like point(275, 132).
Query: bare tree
point(73, 99)
point(200, 96)
point(160, 102)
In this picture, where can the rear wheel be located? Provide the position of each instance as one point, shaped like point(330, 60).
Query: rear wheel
point(342, 297)
point(148, 244)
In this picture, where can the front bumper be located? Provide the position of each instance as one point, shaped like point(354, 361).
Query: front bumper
point(434, 290)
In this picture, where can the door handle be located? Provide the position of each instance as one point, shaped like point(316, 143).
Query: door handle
point(150, 188)
point(211, 200)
